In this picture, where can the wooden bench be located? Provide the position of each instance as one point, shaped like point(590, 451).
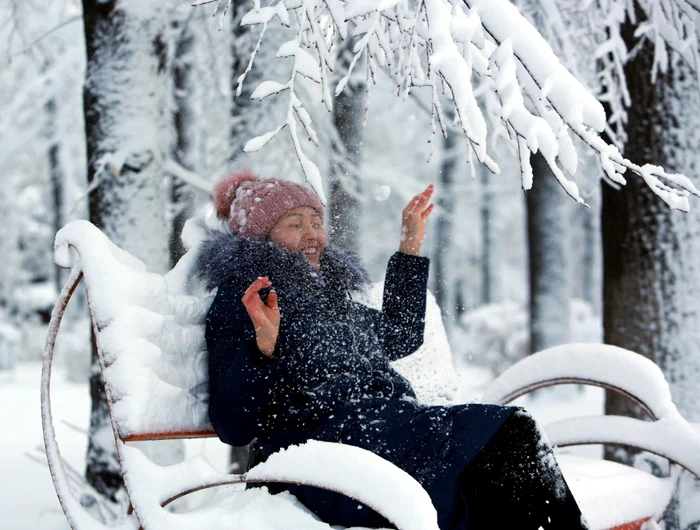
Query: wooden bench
point(149, 330)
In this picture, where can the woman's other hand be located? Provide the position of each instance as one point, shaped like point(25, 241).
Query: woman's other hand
point(265, 317)
point(414, 216)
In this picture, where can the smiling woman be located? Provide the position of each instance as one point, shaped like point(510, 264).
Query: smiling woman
point(292, 358)
point(301, 230)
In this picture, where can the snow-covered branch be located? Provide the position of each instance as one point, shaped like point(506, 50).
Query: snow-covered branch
point(446, 47)
point(187, 176)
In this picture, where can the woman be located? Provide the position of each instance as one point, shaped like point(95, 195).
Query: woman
point(292, 358)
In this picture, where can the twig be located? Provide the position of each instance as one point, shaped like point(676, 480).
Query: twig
point(34, 458)
point(46, 34)
point(76, 428)
point(91, 187)
point(187, 176)
point(589, 140)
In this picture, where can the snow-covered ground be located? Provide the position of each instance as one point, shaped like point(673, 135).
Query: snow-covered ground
point(28, 501)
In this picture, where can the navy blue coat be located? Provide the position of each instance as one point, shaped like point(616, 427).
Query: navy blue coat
point(330, 378)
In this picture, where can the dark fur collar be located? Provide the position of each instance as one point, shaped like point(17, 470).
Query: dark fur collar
point(225, 257)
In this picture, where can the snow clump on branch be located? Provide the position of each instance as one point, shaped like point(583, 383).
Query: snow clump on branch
point(444, 46)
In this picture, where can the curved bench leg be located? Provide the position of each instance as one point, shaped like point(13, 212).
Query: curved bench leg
point(78, 518)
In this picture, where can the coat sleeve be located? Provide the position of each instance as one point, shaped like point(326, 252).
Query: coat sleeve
point(240, 376)
point(401, 323)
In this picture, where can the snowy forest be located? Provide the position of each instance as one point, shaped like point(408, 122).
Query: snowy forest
point(562, 138)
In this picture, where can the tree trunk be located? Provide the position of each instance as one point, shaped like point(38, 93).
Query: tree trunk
point(124, 124)
point(181, 195)
point(242, 45)
point(651, 279)
point(488, 263)
point(348, 114)
point(444, 292)
point(546, 232)
point(591, 261)
point(55, 179)
point(243, 110)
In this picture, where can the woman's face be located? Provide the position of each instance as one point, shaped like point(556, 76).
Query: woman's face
point(301, 230)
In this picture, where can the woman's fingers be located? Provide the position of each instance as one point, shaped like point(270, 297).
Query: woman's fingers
point(417, 205)
point(265, 317)
point(426, 194)
point(415, 216)
point(272, 301)
point(257, 285)
point(251, 294)
point(251, 298)
point(410, 207)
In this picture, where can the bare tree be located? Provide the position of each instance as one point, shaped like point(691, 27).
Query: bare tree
point(344, 180)
point(56, 178)
point(125, 120)
point(547, 245)
point(242, 113)
point(587, 273)
point(182, 195)
point(651, 254)
point(445, 293)
point(488, 250)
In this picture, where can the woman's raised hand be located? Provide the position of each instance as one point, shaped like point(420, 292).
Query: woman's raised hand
point(265, 317)
point(414, 216)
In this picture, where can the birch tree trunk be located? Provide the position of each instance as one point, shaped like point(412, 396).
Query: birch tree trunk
point(651, 279)
point(546, 232)
point(348, 114)
point(125, 120)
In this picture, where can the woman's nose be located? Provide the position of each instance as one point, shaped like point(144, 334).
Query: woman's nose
point(310, 232)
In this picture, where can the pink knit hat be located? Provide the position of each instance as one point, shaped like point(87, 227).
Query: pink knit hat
point(253, 206)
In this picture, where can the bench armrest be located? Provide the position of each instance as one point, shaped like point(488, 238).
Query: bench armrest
point(345, 469)
point(668, 434)
point(610, 367)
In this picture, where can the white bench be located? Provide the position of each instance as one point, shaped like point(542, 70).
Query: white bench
point(150, 336)
point(610, 495)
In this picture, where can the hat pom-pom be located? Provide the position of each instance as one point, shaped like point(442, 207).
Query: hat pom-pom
point(225, 191)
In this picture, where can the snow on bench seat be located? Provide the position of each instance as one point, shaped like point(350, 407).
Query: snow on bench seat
point(611, 494)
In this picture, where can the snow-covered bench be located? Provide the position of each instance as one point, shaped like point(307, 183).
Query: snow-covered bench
point(610, 495)
point(150, 335)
